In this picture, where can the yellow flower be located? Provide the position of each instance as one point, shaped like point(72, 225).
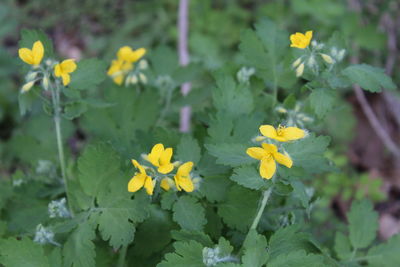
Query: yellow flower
point(63, 70)
point(268, 154)
point(161, 158)
point(32, 56)
point(300, 40)
point(282, 134)
point(118, 70)
point(140, 180)
point(167, 183)
point(126, 53)
point(183, 179)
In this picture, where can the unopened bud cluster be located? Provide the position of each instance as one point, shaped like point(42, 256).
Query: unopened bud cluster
point(244, 74)
point(58, 208)
point(43, 235)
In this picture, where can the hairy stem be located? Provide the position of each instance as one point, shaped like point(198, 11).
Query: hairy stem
point(55, 95)
point(264, 200)
point(122, 256)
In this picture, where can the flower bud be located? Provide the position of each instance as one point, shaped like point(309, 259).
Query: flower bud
point(134, 79)
point(45, 83)
point(296, 62)
point(259, 138)
point(143, 64)
point(26, 87)
point(281, 110)
point(143, 78)
point(311, 61)
point(31, 76)
point(340, 55)
point(327, 58)
point(300, 70)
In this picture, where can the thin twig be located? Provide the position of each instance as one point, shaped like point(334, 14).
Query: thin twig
point(183, 26)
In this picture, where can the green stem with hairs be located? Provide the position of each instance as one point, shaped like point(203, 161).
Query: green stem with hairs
point(55, 96)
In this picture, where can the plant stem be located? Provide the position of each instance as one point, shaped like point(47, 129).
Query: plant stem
point(265, 197)
point(122, 256)
point(55, 95)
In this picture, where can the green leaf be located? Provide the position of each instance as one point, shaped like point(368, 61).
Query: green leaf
point(232, 98)
point(342, 246)
point(74, 110)
point(88, 74)
point(255, 250)
point(214, 187)
point(189, 214)
point(322, 101)
point(188, 150)
point(308, 153)
point(363, 224)
point(154, 234)
point(289, 239)
point(186, 254)
point(186, 235)
point(28, 37)
point(26, 100)
point(297, 259)
point(253, 50)
point(369, 78)
point(22, 253)
point(229, 154)
point(98, 166)
point(249, 177)
point(238, 211)
point(386, 254)
point(119, 214)
point(79, 249)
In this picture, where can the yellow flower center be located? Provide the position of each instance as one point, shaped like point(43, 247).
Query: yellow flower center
point(280, 129)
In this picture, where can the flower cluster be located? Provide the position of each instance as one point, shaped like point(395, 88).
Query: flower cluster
point(309, 58)
point(123, 65)
point(160, 158)
point(268, 154)
point(39, 71)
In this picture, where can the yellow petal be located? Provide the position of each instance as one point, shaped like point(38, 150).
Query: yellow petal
point(269, 148)
point(155, 154)
point(268, 131)
point(66, 78)
point(37, 52)
point(138, 166)
point(124, 53)
point(25, 55)
point(119, 79)
point(57, 70)
point(68, 66)
point(309, 35)
point(149, 185)
point(165, 184)
point(166, 155)
point(267, 168)
point(137, 54)
point(256, 152)
point(184, 170)
point(283, 159)
point(292, 133)
point(136, 182)
point(164, 169)
point(186, 184)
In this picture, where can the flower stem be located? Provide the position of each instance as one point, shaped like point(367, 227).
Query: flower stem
point(122, 256)
point(265, 196)
point(264, 200)
point(55, 96)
